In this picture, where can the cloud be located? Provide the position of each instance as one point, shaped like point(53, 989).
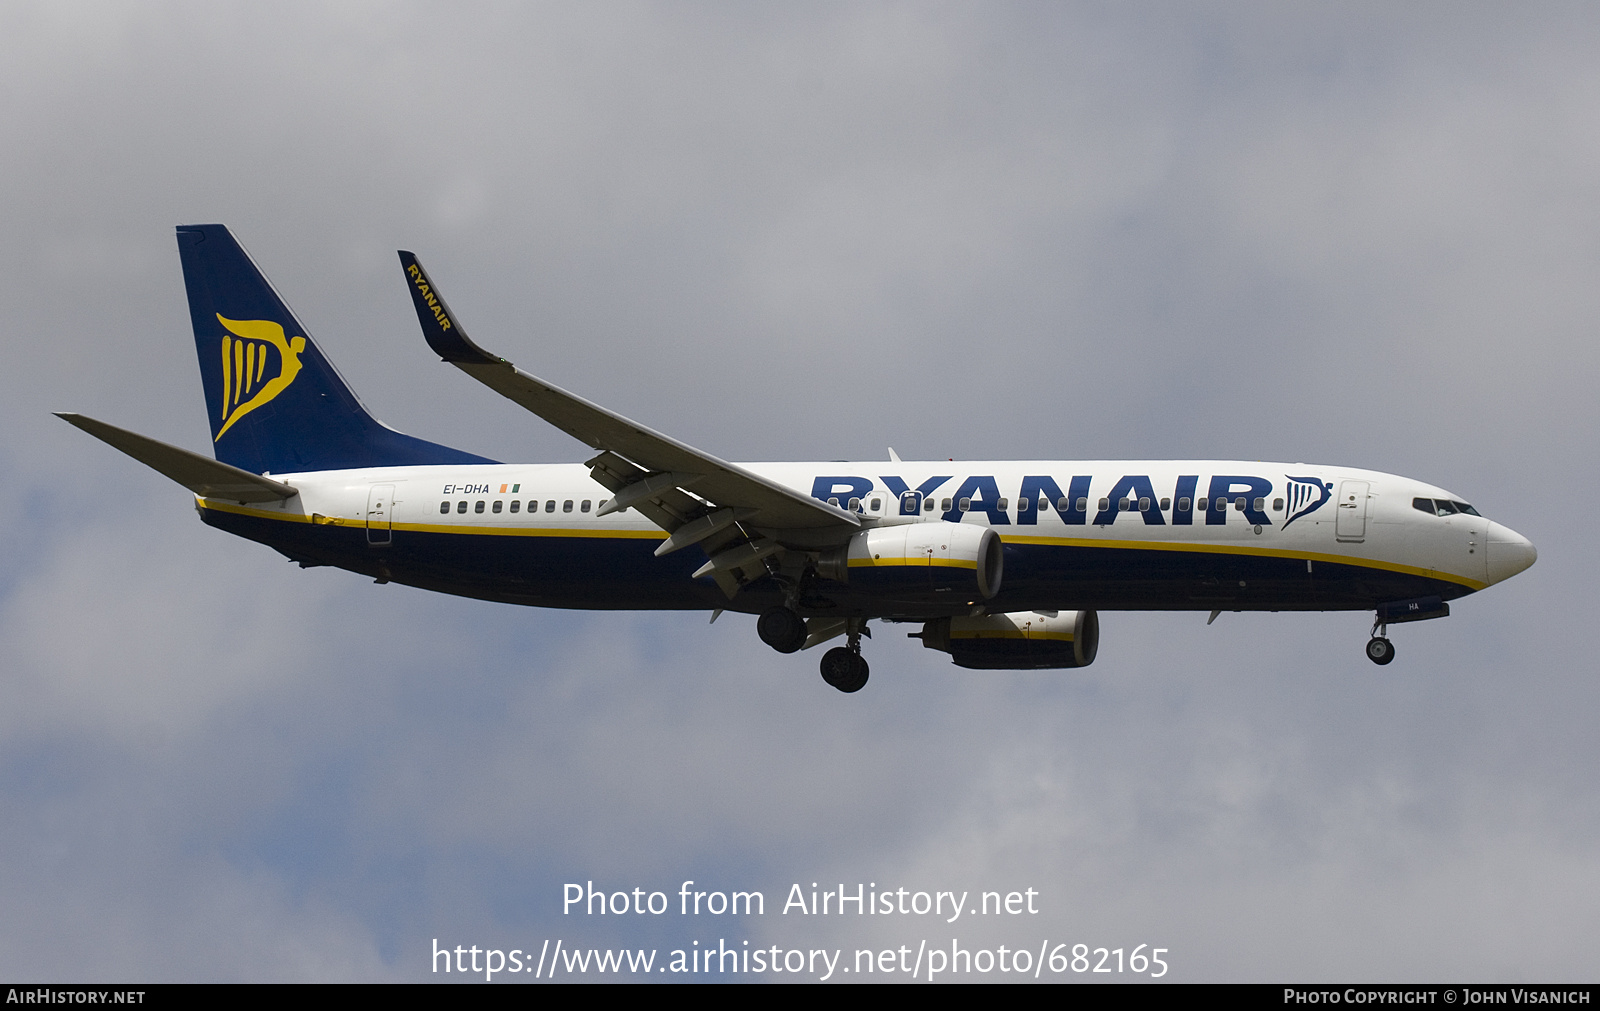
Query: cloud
point(1073, 232)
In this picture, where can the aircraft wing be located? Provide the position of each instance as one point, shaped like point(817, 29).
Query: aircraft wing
point(202, 475)
point(664, 465)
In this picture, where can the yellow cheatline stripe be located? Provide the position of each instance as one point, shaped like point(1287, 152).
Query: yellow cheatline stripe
point(431, 528)
point(1076, 542)
point(1243, 549)
point(232, 507)
point(1019, 634)
point(949, 563)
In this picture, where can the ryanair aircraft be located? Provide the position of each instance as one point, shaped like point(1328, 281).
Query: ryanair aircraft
point(1004, 564)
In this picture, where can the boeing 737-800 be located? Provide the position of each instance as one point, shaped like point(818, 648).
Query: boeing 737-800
point(1004, 564)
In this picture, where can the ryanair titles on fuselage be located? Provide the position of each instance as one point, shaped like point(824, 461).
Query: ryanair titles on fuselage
point(1005, 499)
point(1251, 495)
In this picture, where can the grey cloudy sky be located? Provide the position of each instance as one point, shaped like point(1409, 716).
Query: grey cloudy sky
point(1359, 235)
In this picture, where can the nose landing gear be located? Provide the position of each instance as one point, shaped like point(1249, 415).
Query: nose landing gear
point(1379, 649)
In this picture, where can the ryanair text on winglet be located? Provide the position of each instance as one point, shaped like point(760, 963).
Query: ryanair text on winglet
point(427, 295)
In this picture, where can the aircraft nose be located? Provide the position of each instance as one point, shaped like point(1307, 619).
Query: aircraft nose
point(1509, 552)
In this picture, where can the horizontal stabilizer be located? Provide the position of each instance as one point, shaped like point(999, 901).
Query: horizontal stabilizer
point(202, 475)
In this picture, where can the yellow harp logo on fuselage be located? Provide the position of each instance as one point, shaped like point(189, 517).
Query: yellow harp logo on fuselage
point(244, 366)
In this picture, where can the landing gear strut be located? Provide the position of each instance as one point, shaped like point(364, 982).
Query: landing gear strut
point(844, 667)
point(782, 629)
point(1379, 649)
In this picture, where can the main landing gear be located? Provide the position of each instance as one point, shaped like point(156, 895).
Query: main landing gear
point(1379, 649)
point(843, 667)
point(782, 629)
point(844, 670)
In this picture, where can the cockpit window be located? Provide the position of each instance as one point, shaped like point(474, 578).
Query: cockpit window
point(1442, 507)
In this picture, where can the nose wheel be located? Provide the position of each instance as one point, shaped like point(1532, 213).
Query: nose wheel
point(1379, 649)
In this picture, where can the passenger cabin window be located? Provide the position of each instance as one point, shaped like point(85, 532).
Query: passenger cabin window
point(855, 504)
point(444, 507)
point(1184, 503)
point(1144, 505)
point(1277, 505)
point(1202, 503)
point(566, 506)
point(515, 505)
point(927, 506)
point(1238, 504)
point(834, 501)
point(1024, 504)
point(966, 504)
point(1166, 504)
point(877, 504)
point(1083, 505)
point(550, 505)
point(478, 506)
point(583, 507)
point(1123, 505)
point(944, 505)
point(1003, 504)
point(1261, 504)
point(496, 507)
point(461, 506)
point(1105, 504)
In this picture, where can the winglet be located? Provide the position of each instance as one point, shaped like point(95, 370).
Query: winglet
point(439, 324)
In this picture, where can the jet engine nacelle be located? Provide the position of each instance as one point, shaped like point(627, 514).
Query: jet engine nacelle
point(1018, 640)
point(915, 559)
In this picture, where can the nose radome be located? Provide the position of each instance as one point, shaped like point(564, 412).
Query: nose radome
point(1509, 552)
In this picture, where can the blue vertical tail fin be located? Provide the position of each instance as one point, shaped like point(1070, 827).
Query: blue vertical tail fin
point(277, 405)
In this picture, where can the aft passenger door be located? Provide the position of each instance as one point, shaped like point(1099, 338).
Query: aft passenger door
point(380, 512)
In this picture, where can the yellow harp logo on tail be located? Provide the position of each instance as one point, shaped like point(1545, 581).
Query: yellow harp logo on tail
point(244, 366)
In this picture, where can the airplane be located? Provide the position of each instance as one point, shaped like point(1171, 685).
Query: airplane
point(1005, 564)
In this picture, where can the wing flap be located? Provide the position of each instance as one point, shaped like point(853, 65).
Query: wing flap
point(202, 475)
